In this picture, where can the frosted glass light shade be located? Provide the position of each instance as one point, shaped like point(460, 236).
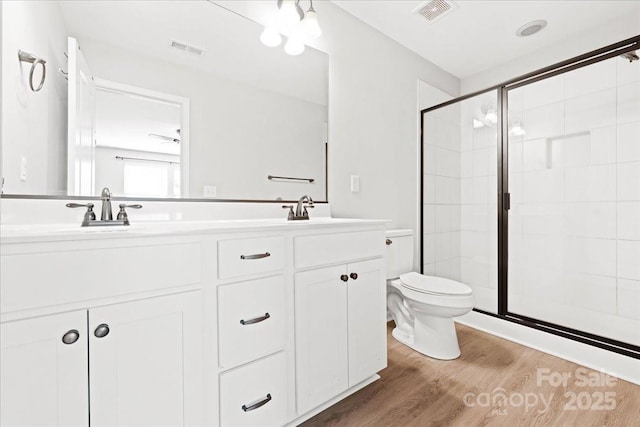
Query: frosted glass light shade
point(310, 24)
point(294, 46)
point(270, 37)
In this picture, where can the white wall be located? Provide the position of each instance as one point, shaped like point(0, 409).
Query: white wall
point(372, 118)
point(35, 123)
point(608, 33)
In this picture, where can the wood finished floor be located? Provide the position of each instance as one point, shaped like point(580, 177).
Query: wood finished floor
point(415, 390)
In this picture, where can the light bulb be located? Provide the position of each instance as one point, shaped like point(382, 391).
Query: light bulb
point(270, 37)
point(310, 24)
point(294, 46)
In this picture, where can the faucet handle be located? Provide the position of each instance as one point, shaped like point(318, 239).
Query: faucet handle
point(291, 214)
point(89, 215)
point(122, 215)
point(80, 205)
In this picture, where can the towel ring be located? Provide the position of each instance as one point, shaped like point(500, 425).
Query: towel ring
point(34, 61)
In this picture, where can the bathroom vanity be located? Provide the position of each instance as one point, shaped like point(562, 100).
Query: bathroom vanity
point(253, 322)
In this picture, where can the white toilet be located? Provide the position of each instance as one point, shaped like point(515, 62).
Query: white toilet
point(422, 306)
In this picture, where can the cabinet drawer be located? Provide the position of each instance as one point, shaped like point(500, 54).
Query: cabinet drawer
point(35, 280)
point(250, 320)
point(241, 257)
point(242, 391)
point(340, 247)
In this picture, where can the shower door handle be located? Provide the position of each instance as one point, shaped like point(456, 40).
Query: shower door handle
point(507, 201)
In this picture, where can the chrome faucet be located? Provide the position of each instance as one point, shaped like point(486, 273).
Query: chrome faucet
point(106, 217)
point(107, 213)
point(301, 209)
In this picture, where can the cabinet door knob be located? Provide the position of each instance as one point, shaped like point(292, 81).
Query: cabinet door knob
point(102, 330)
point(71, 336)
point(354, 276)
point(344, 277)
point(388, 242)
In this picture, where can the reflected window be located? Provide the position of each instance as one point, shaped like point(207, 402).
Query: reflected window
point(151, 179)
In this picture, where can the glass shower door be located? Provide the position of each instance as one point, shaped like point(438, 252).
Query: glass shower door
point(574, 182)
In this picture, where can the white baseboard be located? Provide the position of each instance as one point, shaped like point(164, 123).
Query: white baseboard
point(611, 363)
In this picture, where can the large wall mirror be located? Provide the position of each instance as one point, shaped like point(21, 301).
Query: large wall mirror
point(157, 99)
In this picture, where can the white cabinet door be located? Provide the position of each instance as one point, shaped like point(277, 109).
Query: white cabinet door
point(146, 370)
point(366, 319)
point(43, 381)
point(321, 336)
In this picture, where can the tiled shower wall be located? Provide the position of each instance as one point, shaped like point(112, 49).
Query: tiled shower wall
point(479, 187)
point(574, 232)
point(459, 210)
point(441, 207)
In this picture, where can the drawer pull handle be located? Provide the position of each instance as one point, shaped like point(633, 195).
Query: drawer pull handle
point(256, 256)
point(255, 320)
point(258, 404)
point(71, 336)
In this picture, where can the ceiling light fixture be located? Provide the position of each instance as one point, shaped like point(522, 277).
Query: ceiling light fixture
point(299, 27)
point(530, 28)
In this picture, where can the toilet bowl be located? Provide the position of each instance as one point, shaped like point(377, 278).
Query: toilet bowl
point(421, 306)
point(424, 317)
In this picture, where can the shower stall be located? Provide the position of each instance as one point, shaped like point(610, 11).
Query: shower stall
point(531, 196)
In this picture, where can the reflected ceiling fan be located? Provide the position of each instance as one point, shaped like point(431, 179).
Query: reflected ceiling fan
point(165, 138)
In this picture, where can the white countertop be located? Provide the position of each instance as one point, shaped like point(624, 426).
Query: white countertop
point(30, 233)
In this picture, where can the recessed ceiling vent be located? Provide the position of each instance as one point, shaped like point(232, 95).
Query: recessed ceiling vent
point(186, 48)
point(436, 9)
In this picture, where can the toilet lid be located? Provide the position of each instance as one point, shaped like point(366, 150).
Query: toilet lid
point(434, 285)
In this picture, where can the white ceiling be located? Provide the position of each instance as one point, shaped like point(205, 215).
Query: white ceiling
point(480, 34)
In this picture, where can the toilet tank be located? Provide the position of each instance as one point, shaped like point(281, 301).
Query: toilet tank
point(399, 252)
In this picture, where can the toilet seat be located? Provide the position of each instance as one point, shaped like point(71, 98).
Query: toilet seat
point(437, 286)
point(443, 300)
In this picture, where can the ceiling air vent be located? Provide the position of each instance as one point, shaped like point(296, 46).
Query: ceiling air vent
point(436, 9)
point(186, 48)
